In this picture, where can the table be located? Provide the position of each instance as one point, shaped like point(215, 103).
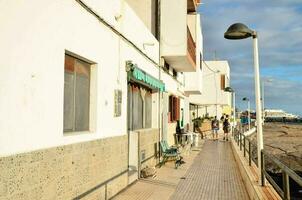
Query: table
point(182, 138)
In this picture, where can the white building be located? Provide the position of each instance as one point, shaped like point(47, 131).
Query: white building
point(277, 113)
point(213, 101)
point(88, 89)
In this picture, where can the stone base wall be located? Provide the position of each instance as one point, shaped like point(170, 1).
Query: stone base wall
point(148, 147)
point(89, 170)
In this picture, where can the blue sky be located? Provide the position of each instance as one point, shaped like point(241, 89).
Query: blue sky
point(279, 27)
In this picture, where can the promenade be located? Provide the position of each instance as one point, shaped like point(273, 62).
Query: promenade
point(210, 172)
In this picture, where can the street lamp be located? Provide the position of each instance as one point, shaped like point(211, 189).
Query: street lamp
point(229, 89)
point(248, 111)
point(239, 31)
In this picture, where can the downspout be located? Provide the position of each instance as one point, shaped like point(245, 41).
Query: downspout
point(160, 114)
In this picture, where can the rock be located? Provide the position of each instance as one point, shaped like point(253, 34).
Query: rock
point(285, 143)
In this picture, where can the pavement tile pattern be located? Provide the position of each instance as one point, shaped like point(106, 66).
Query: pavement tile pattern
point(213, 175)
point(210, 173)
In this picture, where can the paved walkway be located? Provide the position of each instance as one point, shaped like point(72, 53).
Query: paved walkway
point(210, 174)
point(213, 175)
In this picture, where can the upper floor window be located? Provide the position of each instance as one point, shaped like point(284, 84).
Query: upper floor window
point(175, 73)
point(174, 108)
point(222, 82)
point(77, 77)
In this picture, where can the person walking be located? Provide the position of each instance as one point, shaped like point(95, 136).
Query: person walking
point(215, 128)
point(226, 127)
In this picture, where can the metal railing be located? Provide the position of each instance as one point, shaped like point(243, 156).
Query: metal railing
point(247, 145)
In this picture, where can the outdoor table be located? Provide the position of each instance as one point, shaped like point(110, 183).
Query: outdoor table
point(181, 138)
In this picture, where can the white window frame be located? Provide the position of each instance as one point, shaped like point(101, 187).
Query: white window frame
point(92, 95)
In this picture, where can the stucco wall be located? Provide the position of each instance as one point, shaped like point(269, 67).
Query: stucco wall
point(149, 146)
point(212, 93)
point(33, 43)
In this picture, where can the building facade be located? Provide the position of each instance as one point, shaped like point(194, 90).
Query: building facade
point(214, 101)
point(89, 88)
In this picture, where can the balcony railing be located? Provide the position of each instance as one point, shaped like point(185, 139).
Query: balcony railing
point(191, 47)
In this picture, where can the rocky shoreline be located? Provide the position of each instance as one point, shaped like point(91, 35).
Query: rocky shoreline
point(284, 141)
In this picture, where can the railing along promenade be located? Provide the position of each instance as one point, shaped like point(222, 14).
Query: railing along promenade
point(246, 145)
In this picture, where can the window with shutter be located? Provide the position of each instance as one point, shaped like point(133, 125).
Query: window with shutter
point(222, 82)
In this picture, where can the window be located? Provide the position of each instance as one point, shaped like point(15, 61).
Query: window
point(139, 107)
point(174, 107)
point(166, 67)
point(76, 94)
point(174, 73)
point(222, 82)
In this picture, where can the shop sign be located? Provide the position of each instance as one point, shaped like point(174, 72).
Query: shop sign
point(148, 79)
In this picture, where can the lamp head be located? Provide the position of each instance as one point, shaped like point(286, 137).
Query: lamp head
point(238, 31)
point(228, 89)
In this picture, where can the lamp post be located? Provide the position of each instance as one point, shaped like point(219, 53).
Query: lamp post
point(248, 111)
point(229, 89)
point(239, 31)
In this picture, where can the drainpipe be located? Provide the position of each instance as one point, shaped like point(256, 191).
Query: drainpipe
point(160, 114)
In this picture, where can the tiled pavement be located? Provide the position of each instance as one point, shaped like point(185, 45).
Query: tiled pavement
point(211, 173)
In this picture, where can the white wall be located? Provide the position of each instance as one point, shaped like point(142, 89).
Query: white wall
point(33, 42)
point(173, 27)
point(145, 9)
point(212, 93)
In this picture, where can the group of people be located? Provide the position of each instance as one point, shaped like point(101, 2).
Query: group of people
point(225, 126)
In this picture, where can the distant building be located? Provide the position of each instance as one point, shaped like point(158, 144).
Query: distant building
point(272, 113)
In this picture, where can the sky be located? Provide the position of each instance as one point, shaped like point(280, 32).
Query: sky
point(279, 27)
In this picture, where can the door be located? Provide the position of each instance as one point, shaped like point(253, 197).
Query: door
point(165, 113)
point(132, 140)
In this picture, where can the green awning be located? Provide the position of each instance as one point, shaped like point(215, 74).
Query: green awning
point(148, 80)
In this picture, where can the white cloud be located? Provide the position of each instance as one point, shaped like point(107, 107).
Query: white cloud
point(279, 25)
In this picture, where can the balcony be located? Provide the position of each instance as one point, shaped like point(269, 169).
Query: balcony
point(191, 47)
point(192, 5)
point(183, 60)
point(193, 82)
point(177, 43)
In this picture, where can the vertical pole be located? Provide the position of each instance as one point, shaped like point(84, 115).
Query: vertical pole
point(258, 105)
point(263, 82)
point(249, 113)
point(240, 141)
point(234, 112)
point(250, 154)
point(286, 191)
point(262, 167)
point(244, 146)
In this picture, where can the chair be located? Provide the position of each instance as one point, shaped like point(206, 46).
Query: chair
point(170, 149)
point(169, 153)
